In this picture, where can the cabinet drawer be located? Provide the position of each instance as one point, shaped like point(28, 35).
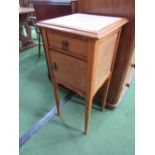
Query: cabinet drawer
point(69, 70)
point(68, 44)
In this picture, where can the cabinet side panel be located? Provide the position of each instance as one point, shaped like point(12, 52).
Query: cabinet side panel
point(104, 59)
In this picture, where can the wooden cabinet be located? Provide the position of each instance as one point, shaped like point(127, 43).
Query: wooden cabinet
point(81, 51)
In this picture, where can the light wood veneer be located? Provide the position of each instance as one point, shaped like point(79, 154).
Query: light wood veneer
point(81, 60)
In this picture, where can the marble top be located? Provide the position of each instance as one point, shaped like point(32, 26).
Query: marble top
point(84, 22)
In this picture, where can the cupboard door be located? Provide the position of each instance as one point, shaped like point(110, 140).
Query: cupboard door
point(69, 71)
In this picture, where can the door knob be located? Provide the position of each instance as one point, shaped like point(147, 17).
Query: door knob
point(55, 67)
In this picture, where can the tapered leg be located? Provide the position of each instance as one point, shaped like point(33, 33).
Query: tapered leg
point(55, 85)
point(56, 93)
point(87, 113)
point(106, 93)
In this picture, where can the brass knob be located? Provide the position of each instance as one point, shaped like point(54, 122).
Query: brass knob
point(65, 45)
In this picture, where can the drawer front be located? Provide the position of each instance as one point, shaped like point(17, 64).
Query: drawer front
point(68, 44)
point(69, 70)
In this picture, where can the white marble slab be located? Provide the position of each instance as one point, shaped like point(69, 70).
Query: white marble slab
point(84, 22)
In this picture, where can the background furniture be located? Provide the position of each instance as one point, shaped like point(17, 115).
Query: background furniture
point(32, 20)
point(26, 40)
point(81, 52)
point(122, 8)
point(52, 8)
point(25, 3)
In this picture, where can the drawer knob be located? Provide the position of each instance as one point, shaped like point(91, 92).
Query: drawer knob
point(55, 67)
point(65, 45)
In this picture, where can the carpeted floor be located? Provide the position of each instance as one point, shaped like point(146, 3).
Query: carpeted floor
point(110, 132)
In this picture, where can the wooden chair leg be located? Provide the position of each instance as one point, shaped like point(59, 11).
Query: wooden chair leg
point(88, 108)
point(104, 99)
point(56, 94)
